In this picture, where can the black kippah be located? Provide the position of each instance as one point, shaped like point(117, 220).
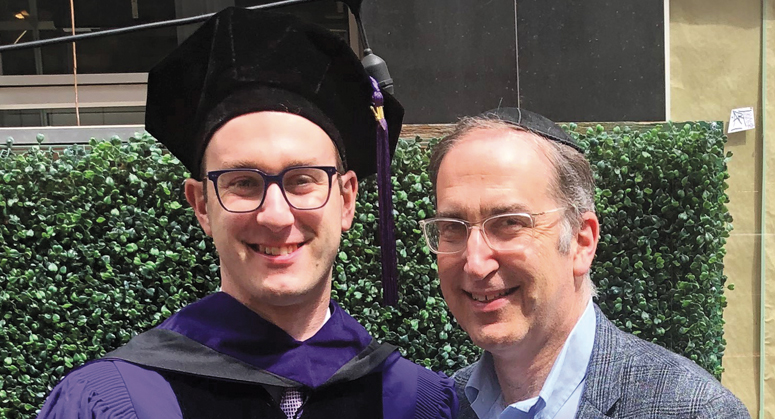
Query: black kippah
point(533, 122)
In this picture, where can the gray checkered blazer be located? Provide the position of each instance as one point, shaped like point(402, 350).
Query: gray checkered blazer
point(628, 377)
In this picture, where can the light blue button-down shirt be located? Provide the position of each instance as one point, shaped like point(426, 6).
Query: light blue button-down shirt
point(561, 393)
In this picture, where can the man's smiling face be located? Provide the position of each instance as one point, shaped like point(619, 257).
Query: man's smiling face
point(504, 298)
point(275, 256)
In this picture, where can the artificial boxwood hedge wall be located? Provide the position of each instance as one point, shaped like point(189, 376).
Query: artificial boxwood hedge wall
point(99, 244)
point(661, 199)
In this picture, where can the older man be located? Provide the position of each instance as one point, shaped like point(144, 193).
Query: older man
point(276, 119)
point(515, 234)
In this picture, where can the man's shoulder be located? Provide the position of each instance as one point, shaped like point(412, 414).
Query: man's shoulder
point(650, 376)
point(641, 354)
point(91, 371)
point(110, 386)
point(434, 391)
point(104, 373)
point(641, 358)
point(408, 387)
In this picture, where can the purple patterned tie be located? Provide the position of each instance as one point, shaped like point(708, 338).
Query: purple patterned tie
point(291, 402)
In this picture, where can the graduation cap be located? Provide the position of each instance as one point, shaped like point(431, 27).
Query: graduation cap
point(242, 61)
point(534, 122)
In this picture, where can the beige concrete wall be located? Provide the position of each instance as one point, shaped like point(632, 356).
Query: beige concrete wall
point(715, 54)
point(768, 185)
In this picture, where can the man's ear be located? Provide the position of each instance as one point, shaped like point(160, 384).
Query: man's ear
point(585, 244)
point(195, 197)
point(349, 192)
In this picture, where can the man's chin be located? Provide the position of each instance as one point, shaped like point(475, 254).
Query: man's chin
point(493, 338)
point(290, 293)
point(285, 296)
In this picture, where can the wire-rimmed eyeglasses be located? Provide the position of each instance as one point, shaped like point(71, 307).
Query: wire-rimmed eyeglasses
point(243, 190)
point(502, 232)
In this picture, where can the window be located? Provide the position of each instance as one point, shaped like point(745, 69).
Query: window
point(137, 52)
point(37, 84)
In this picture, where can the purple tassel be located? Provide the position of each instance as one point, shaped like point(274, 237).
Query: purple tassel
point(385, 191)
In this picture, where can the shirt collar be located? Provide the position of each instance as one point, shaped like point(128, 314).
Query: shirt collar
point(483, 390)
point(568, 372)
point(328, 315)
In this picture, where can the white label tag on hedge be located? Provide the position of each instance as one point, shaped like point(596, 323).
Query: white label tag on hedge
point(741, 119)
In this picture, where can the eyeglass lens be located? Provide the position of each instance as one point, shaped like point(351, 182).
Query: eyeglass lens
point(304, 188)
point(502, 232)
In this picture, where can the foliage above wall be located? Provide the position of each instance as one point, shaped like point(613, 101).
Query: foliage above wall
point(99, 244)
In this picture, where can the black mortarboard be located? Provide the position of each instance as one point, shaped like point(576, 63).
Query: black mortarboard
point(534, 122)
point(242, 61)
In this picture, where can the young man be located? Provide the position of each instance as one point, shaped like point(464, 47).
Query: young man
point(515, 234)
point(273, 117)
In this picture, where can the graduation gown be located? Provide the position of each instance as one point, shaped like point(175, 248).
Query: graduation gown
point(218, 359)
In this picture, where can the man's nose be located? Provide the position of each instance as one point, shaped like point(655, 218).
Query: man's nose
point(479, 256)
point(275, 213)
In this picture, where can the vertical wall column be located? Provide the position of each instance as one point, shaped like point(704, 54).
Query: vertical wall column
point(716, 53)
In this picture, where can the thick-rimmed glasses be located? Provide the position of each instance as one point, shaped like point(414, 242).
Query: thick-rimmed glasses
point(244, 190)
point(502, 232)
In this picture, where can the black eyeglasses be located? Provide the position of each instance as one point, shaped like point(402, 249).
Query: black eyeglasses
point(503, 232)
point(244, 190)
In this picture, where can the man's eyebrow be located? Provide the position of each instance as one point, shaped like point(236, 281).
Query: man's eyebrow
point(247, 164)
point(239, 165)
point(459, 213)
point(507, 209)
point(450, 214)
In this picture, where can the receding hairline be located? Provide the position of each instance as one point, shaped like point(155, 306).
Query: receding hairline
point(518, 133)
point(508, 129)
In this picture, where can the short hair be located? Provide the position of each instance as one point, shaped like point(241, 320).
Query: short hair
point(573, 184)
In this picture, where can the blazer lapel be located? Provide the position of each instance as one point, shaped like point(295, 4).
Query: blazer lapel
point(602, 389)
point(588, 411)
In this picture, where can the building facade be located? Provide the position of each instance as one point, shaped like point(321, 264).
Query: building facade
point(575, 60)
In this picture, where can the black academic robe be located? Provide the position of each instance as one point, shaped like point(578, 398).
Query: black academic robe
point(217, 358)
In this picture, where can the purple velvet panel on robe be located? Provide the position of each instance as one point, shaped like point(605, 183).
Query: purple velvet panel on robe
point(222, 323)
